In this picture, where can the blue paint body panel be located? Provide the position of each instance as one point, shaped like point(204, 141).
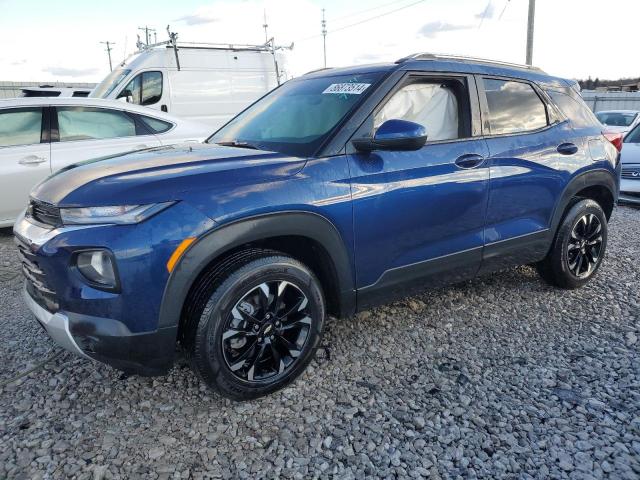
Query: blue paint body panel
point(393, 211)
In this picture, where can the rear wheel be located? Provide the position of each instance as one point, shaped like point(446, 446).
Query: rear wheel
point(578, 248)
point(260, 327)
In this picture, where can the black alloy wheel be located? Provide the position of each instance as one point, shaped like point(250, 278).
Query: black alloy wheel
point(266, 331)
point(585, 245)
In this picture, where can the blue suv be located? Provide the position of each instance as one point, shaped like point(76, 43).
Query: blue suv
point(337, 191)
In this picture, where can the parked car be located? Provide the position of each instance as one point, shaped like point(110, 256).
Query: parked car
point(202, 82)
point(621, 121)
point(51, 91)
point(630, 175)
point(41, 135)
point(338, 191)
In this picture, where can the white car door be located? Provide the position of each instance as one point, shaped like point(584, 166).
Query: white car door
point(24, 158)
point(84, 133)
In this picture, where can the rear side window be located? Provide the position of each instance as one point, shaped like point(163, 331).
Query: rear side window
point(155, 125)
point(513, 107)
point(144, 89)
point(573, 107)
point(20, 126)
point(90, 123)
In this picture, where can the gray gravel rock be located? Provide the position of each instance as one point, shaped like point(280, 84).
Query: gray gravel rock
point(502, 377)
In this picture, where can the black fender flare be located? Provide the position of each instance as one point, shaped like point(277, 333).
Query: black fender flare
point(591, 178)
point(225, 237)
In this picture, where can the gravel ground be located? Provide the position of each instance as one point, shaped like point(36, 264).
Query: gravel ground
point(499, 377)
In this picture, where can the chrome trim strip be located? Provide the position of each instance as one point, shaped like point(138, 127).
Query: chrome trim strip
point(56, 325)
point(537, 232)
point(36, 235)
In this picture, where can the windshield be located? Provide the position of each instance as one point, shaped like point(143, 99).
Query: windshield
point(108, 85)
point(296, 118)
point(616, 119)
point(633, 136)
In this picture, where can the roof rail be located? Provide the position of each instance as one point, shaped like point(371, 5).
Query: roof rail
point(462, 58)
point(317, 70)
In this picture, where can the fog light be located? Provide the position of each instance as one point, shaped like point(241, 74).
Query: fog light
point(98, 267)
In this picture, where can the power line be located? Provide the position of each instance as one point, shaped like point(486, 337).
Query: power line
point(363, 21)
point(484, 13)
point(366, 10)
point(503, 9)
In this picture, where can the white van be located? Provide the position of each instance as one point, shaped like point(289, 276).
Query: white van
point(202, 82)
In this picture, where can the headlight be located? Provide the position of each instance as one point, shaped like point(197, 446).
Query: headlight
point(98, 268)
point(119, 214)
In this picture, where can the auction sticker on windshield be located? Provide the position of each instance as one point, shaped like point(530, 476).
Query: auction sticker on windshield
point(350, 88)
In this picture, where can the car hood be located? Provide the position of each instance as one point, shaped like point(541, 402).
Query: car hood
point(161, 174)
point(630, 153)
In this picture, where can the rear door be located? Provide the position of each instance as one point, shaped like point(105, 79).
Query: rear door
point(83, 133)
point(527, 146)
point(24, 157)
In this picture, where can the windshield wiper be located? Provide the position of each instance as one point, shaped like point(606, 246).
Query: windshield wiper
point(237, 143)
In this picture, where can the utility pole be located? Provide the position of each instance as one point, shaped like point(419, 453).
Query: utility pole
point(324, 38)
point(147, 31)
point(264, 25)
point(532, 14)
point(109, 45)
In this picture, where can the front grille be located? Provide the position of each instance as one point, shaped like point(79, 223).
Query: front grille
point(631, 173)
point(44, 213)
point(36, 279)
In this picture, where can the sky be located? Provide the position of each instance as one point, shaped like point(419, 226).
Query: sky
point(60, 40)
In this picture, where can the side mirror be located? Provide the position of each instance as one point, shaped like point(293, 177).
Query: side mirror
point(126, 95)
point(394, 135)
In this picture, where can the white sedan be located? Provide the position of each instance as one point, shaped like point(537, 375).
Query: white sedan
point(41, 135)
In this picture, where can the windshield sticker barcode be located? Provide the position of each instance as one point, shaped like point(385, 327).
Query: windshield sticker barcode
point(349, 88)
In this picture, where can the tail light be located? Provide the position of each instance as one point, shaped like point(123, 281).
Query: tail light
point(615, 138)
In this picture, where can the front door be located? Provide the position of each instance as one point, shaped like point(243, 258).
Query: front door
point(24, 158)
point(419, 215)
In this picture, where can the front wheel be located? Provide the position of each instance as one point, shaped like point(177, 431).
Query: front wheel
point(578, 248)
point(260, 327)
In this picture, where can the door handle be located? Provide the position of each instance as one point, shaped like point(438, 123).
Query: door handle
point(470, 160)
point(141, 146)
point(567, 148)
point(31, 160)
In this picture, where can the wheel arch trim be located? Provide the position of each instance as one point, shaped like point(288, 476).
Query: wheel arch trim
point(225, 237)
point(592, 178)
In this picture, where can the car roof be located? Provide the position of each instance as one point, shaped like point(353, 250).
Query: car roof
point(450, 64)
point(88, 102)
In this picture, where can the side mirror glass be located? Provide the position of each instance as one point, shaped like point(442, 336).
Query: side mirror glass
point(394, 135)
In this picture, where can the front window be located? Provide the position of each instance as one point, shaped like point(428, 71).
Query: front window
point(296, 118)
point(616, 119)
point(144, 89)
point(109, 84)
point(20, 126)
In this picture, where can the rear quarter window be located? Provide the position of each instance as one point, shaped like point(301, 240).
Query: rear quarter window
point(155, 125)
point(573, 107)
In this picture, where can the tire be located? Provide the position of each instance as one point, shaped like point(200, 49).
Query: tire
point(582, 234)
point(260, 327)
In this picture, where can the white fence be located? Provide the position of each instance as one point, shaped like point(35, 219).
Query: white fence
point(599, 101)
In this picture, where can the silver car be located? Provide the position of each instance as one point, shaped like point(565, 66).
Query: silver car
point(619, 121)
point(630, 181)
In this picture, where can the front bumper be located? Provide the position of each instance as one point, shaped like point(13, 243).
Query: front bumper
point(121, 328)
point(630, 189)
point(56, 325)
